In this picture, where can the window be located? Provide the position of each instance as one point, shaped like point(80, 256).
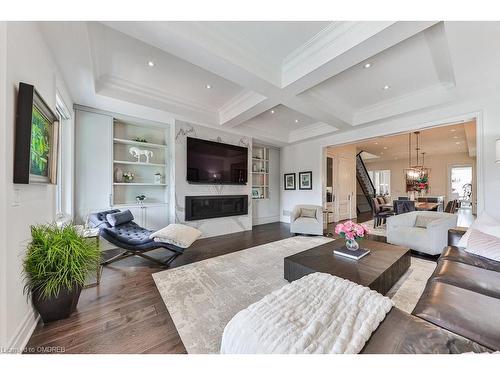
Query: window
point(461, 182)
point(64, 192)
point(381, 181)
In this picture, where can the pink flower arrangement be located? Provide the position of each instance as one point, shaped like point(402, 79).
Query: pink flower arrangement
point(351, 231)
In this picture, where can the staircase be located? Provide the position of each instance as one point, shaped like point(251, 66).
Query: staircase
point(366, 190)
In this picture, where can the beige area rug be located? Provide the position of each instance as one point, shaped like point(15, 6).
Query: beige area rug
point(379, 231)
point(202, 297)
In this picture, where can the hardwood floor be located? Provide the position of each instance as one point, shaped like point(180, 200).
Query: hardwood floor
point(125, 313)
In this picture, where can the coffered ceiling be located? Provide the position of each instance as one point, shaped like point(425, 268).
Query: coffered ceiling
point(280, 82)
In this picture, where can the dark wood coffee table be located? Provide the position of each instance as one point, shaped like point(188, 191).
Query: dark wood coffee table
point(379, 270)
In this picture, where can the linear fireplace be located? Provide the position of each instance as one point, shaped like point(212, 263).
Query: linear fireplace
point(212, 206)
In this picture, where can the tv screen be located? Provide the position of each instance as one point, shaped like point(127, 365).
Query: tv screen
point(216, 163)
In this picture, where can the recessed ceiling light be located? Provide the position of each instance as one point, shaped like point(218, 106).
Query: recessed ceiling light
point(453, 130)
point(385, 147)
point(208, 86)
point(381, 153)
point(272, 111)
point(367, 65)
point(376, 143)
point(151, 63)
point(296, 121)
point(455, 137)
point(387, 87)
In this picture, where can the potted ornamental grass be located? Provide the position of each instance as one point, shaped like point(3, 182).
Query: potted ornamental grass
point(56, 265)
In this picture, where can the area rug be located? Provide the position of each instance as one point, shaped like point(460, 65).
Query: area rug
point(378, 231)
point(202, 297)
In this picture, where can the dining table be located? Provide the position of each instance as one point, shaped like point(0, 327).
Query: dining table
point(419, 206)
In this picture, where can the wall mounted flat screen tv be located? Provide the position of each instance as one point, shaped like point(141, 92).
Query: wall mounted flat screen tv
point(35, 153)
point(216, 163)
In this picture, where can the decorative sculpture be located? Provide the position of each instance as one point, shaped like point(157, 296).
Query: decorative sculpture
point(137, 153)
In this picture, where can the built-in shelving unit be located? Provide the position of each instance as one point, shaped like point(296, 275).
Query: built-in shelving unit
point(260, 172)
point(144, 183)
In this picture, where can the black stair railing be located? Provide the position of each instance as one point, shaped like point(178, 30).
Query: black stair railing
point(364, 179)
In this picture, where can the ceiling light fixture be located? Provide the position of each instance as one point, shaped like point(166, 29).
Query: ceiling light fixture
point(453, 130)
point(272, 111)
point(387, 87)
point(367, 65)
point(296, 121)
point(208, 86)
point(151, 63)
point(457, 143)
point(385, 147)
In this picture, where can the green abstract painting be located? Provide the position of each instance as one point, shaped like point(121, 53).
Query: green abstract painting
point(40, 144)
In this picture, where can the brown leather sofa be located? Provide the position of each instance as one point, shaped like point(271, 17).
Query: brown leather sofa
point(457, 312)
point(463, 295)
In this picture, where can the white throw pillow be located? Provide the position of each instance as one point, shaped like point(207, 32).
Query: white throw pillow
point(423, 221)
point(484, 245)
point(484, 223)
point(176, 234)
point(308, 212)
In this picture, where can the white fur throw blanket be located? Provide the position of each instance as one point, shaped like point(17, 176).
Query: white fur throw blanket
point(318, 313)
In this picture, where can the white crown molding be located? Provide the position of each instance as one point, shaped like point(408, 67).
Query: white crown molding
point(327, 45)
point(313, 130)
point(432, 95)
point(173, 103)
point(240, 103)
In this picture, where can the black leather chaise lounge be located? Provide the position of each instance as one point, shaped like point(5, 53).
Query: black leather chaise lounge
point(131, 237)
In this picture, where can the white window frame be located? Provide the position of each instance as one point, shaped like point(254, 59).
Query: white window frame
point(64, 191)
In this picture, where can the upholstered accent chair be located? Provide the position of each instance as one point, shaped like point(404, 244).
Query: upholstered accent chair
point(307, 219)
point(424, 231)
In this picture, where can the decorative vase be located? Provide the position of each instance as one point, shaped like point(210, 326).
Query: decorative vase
point(119, 175)
point(351, 245)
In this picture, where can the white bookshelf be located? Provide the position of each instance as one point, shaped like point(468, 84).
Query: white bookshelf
point(260, 172)
point(124, 137)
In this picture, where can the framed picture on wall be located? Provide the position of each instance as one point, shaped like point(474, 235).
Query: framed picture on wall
point(305, 180)
point(289, 181)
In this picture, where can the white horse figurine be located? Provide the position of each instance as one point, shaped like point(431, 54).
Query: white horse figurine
point(137, 153)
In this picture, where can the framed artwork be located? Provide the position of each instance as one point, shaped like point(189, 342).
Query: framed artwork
point(35, 159)
point(289, 182)
point(305, 180)
point(255, 193)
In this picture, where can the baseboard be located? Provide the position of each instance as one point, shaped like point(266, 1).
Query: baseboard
point(265, 220)
point(24, 331)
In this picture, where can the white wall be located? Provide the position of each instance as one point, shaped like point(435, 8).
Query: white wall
point(302, 157)
point(308, 155)
point(216, 226)
point(268, 210)
point(27, 60)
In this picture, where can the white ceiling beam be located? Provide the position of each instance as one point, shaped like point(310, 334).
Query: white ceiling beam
point(337, 48)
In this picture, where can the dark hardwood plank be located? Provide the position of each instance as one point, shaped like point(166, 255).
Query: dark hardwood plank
point(126, 314)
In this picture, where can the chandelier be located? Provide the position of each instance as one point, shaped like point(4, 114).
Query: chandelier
point(417, 174)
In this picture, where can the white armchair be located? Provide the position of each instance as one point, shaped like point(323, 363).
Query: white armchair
point(427, 234)
point(300, 223)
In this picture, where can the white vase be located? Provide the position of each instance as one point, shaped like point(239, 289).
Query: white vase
point(157, 179)
point(118, 175)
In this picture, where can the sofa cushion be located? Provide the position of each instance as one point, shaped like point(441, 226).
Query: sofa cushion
point(464, 312)
point(119, 218)
point(486, 224)
point(308, 212)
point(387, 199)
point(460, 255)
point(177, 234)
point(484, 245)
point(468, 277)
point(423, 220)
